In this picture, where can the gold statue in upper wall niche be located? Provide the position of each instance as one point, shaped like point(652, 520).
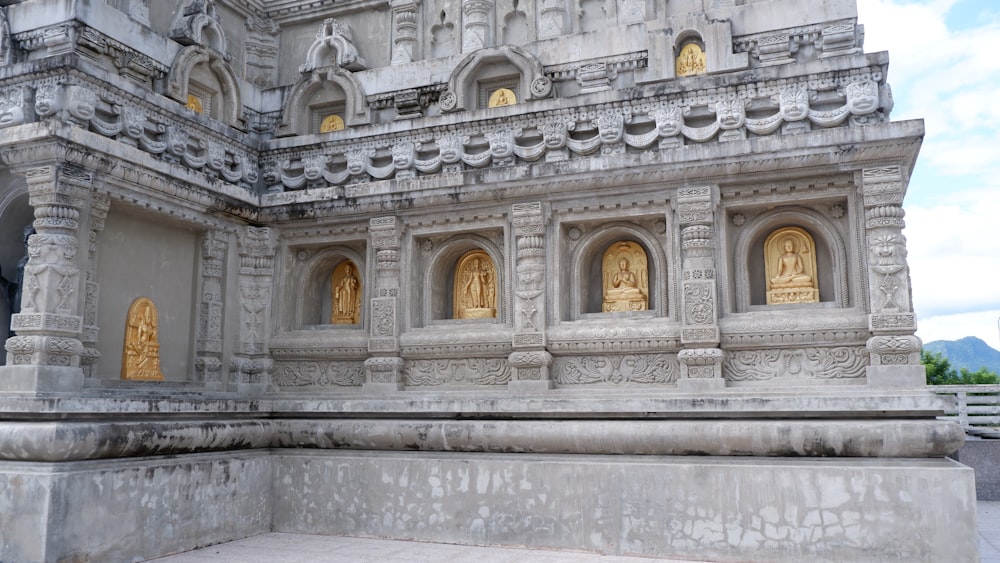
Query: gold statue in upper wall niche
point(345, 293)
point(141, 354)
point(332, 122)
point(502, 97)
point(625, 272)
point(194, 104)
point(790, 256)
point(475, 286)
point(691, 60)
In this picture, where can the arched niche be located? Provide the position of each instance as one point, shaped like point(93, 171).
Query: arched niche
point(439, 279)
point(205, 74)
point(750, 266)
point(319, 94)
point(690, 58)
point(15, 215)
point(486, 70)
point(586, 276)
point(314, 295)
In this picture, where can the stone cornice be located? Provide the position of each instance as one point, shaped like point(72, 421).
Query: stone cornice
point(284, 11)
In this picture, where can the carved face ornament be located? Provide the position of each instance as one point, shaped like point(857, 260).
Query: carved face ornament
point(862, 97)
point(794, 104)
point(668, 121)
point(731, 113)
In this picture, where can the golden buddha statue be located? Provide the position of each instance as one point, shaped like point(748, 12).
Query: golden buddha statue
point(141, 353)
point(625, 288)
point(791, 267)
point(345, 300)
point(475, 287)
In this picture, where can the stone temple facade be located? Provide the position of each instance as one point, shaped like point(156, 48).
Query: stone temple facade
point(625, 276)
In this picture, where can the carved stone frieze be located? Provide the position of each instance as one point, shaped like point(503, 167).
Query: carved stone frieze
point(810, 363)
point(330, 374)
point(607, 339)
point(616, 369)
point(465, 371)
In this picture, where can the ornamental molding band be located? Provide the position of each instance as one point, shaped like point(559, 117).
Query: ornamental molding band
point(141, 350)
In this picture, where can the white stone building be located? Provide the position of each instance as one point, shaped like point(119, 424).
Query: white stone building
point(625, 276)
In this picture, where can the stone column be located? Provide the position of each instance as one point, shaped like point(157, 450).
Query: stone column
point(100, 204)
point(475, 24)
point(250, 364)
point(384, 369)
point(45, 354)
point(701, 358)
point(529, 360)
point(404, 30)
point(208, 346)
point(894, 348)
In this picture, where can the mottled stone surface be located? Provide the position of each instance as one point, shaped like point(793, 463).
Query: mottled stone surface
point(983, 456)
point(699, 508)
point(131, 509)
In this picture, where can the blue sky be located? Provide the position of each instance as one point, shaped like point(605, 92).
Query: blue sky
point(944, 67)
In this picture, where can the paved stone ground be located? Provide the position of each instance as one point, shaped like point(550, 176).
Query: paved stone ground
point(298, 548)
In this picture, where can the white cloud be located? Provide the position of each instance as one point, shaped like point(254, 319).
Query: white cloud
point(982, 325)
point(952, 80)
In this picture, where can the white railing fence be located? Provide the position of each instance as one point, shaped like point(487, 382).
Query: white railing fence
point(976, 408)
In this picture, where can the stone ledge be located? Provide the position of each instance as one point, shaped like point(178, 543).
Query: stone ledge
point(74, 441)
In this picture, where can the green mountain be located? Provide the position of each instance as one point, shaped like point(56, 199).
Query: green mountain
point(969, 352)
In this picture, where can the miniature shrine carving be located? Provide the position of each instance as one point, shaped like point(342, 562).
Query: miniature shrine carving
point(691, 60)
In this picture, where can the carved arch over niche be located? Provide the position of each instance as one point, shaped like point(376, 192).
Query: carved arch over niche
point(749, 269)
point(313, 293)
point(226, 104)
point(585, 277)
point(438, 279)
point(316, 87)
point(334, 46)
point(198, 24)
point(531, 82)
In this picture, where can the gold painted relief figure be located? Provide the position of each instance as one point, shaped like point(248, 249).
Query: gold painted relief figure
point(332, 122)
point(691, 61)
point(345, 288)
point(502, 97)
point(475, 287)
point(141, 354)
point(194, 104)
point(625, 272)
point(790, 255)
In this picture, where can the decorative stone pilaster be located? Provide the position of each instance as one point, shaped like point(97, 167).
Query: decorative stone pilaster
point(45, 354)
point(100, 203)
point(384, 370)
point(404, 30)
point(476, 24)
point(552, 18)
point(529, 360)
point(249, 365)
point(894, 348)
point(208, 345)
point(701, 359)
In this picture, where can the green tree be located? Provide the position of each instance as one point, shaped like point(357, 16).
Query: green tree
point(940, 372)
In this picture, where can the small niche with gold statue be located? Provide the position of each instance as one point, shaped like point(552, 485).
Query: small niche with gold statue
point(625, 275)
point(475, 293)
point(345, 294)
point(691, 60)
point(790, 266)
point(141, 352)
